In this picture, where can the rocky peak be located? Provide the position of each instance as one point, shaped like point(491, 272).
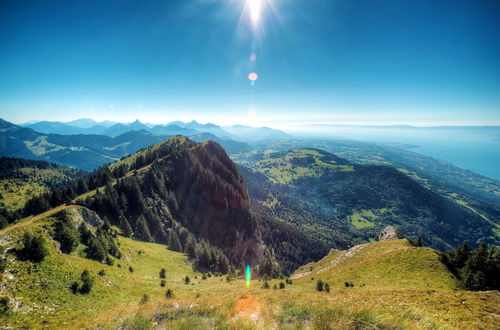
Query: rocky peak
point(388, 234)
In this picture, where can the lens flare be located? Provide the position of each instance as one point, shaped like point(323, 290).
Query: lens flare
point(253, 76)
point(248, 275)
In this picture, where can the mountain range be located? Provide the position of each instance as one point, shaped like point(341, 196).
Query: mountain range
point(89, 151)
point(113, 129)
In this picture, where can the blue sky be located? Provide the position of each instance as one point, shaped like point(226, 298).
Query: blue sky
point(425, 62)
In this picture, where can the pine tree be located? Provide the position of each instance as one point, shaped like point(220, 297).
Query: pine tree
point(142, 230)
point(418, 242)
point(125, 226)
point(319, 285)
point(95, 249)
point(87, 282)
point(173, 242)
point(34, 247)
point(67, 235)
point(190, 246)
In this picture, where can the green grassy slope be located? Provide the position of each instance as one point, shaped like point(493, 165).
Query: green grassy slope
point(384, 265)
point(405, 287)
point(41, 290)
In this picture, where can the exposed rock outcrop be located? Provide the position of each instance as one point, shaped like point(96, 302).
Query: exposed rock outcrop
point(389, 234)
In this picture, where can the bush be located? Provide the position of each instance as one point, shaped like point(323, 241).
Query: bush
point(265, 285)
point(319, 285)
point(87, 282)
point(144, 299)
point(131, 269)
point(288, 281)
point(162, 283)
point(163, 273)
point(75, 286)
point(275, 287)
point(326, 288)
point(102, 272)
point(4, 305)
point(34, 247)
point(109, 261)
point(169, 294)
point(282, 285)
point(187, 280)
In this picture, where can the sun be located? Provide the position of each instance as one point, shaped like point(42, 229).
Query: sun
point(255, 8)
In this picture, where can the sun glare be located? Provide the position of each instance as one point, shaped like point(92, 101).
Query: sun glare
point(254, 7)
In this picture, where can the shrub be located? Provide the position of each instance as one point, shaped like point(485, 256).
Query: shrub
point(109, 261)
point(204, 277)
point(144, 299)
point(162, 283)
point(187, 280)
point(101, 272)
point(288, 281)
point(275, 287)
point(74, 287)
point(282, 285)
point(319, 285)
point(87, 282)
point(169, 294)
point(163, 273)
point(34, 247)
point(326, 287)
point(131, 269)
point(4, 305)
point(265, 285)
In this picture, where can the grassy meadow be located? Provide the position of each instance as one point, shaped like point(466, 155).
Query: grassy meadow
point(396, 286)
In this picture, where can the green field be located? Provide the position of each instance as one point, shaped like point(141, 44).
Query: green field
point(296, 164)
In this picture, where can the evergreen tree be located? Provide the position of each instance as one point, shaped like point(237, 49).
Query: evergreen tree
point(67, 235)
point(163, 273)
point(95, 250)
point(34, 247)
point(85, 233)
point(190, 246)
point(142, 230)
point(173, 242)
point(319, 285)
point(125, 226)
point(418, 242)
point(87, 282)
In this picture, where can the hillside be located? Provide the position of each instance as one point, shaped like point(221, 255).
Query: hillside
point(395, 285)
point(389, 265)
point(21, 179)
point(341, 203)
point(177, 190)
